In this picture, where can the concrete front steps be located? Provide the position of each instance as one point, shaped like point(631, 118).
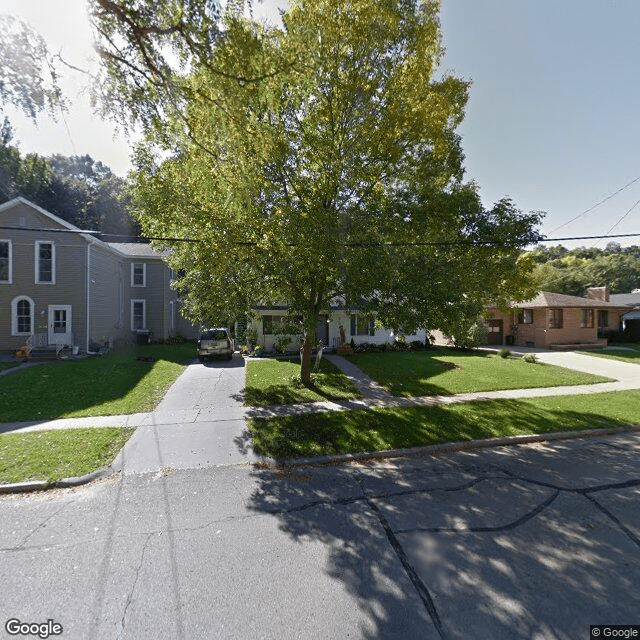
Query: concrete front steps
point(46, 354)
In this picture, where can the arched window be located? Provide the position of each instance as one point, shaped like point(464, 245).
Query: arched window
point(22, 316)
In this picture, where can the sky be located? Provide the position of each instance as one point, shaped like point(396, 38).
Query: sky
point(552, 120)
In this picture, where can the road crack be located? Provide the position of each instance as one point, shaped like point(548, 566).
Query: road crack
point(505, 527)
point(121, 625)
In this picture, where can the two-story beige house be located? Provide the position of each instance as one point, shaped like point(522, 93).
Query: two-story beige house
point(60, 286)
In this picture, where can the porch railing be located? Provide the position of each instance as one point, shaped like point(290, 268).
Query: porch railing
point(41, 341)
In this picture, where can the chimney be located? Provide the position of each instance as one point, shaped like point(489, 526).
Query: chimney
point(598, 293)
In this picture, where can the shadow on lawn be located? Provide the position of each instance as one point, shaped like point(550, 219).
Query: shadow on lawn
point(496, 543)
point(384, 367)
point(331, 385)
point(277, 394)
point(86, 386)
point(397, 428)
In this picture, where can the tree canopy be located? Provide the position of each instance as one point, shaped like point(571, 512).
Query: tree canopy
point(78, 189)
point(28, 78)
point(312, 162)
point(573, 271)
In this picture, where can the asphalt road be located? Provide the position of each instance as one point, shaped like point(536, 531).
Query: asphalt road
point(535, 542)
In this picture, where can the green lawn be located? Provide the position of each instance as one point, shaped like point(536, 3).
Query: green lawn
point(628, 353)
point(447, 371)
point(390, 428)
point(112, 384)
point(56, 454)
point(270, 382)
point(7, 365)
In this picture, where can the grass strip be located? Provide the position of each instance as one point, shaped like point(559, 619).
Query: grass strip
point(397, 428)
point(271, 382)
point(58, 453)
point(111, 384)
point(447, 371)
point(629, 354)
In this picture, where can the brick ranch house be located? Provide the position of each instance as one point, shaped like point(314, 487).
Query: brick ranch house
point(62, 287)
point(555, 319)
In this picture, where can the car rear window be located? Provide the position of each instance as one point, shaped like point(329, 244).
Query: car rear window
point(214, 334)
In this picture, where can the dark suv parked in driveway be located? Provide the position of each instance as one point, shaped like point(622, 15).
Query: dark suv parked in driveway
point(215, 342)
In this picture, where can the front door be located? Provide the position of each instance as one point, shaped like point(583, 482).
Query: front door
point(494, 334)
point(322, 330)
point(60, 324)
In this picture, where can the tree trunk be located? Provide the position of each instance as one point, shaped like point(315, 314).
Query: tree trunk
point(305, 365)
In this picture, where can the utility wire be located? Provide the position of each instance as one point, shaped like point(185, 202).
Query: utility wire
point(624, 216)
point(481, 243)
point(596, 205)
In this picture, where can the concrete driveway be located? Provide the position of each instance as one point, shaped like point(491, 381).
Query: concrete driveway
point(200, 423)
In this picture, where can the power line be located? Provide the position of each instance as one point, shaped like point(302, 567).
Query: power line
point(596, 205)
point(428, 243)
point(624, 216)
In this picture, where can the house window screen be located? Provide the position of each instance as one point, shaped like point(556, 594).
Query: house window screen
point(59, 321)
point(270, 324)
point(587, 318)
point(361, 327)
point(603, 319)
point(23, 316)
point(555, 318)
point(138, 319)
point(45, 262)
point(5, 261)
point(525, 316)
point(138, 275)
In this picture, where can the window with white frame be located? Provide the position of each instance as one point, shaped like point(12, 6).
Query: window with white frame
point(138, 274)
point(361, 326)
point(22, 316)
point(138, 315)
point(5, 261)
point(45, 262)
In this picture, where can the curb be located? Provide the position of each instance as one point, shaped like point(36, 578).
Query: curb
point(448, 447)
point(64, 483)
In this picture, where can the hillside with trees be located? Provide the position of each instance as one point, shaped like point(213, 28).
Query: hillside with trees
point(78, 189)
point(567, 271)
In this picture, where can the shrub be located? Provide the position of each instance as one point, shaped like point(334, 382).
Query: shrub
point(258, 349)
point(416, 345)
point(400, 344)
point(467, 335)
point(504, 353)
point(281, 345)
point(532, 358)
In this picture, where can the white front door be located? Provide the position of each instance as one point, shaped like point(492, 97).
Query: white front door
point(60, 324)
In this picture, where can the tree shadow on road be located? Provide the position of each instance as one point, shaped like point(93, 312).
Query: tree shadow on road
point(515, 542)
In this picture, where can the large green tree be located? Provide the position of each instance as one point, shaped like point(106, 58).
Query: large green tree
point(312, 162)
point(28, 76)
